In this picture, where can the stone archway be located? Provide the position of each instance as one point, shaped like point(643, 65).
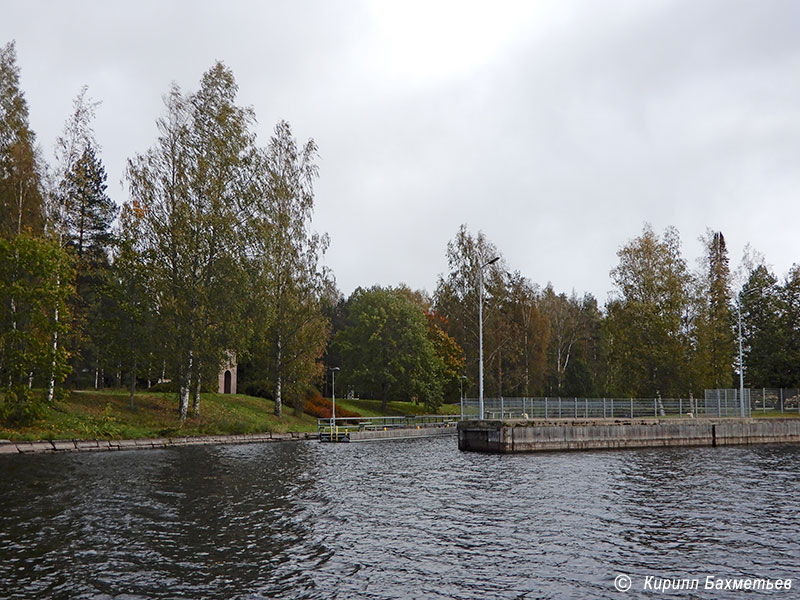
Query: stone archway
point(228, 375)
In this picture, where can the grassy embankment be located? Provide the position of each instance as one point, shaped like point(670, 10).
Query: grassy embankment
point(107, 415)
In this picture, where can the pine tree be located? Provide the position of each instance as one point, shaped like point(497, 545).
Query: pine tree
point(715, 344)
point(89, 214)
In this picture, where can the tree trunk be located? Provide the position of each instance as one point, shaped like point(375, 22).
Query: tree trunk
point(499, 374)
point(51, 384)
point(186, 380)
point(196, 394)
point(133, 384)
point(278, 378)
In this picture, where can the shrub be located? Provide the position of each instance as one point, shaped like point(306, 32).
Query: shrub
point(320, 407)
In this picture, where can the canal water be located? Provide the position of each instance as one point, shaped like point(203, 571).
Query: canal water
point(396, 519)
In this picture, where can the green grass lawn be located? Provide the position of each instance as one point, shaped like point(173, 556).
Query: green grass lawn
point(772, 414)
point(372, 408)
point(106, 414)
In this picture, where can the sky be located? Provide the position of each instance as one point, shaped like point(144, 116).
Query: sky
point(558, 128)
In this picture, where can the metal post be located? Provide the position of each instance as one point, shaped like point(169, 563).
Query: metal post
point(741, 364)
point(334, 435)
point(480, 333)
point(461, 395)
point(585, 408)
point(480, 343)
point(631, 408)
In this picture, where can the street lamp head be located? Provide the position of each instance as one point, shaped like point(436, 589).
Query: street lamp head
point(490, 262)
point(333, 368)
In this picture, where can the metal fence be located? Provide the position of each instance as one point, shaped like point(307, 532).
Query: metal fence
point(716, 403)
point(348, 424)
point(782, 400)
point(726, 402)
point(580, 408)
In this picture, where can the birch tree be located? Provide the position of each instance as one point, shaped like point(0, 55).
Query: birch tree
point(77, 136)
point(290, 282)
point(32, 273)
point(193, 188)
point(456, 298)
point(647, 321)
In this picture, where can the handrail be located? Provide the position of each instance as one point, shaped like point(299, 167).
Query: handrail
point(345, 425)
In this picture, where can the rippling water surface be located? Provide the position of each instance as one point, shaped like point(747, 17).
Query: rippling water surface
point(405, 519)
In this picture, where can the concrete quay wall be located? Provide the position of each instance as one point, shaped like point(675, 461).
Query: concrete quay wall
point(512, 436)
point(47, 446)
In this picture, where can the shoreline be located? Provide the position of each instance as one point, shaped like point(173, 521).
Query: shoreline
point(11, 448)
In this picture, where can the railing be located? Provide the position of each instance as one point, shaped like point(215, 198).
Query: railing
point(782, 400)
point(716, 405)
point(341, 427)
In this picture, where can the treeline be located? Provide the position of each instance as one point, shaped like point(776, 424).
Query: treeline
point(666, 331)
point(212, 256)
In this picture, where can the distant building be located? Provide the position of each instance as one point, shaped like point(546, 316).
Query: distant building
point(228, 375)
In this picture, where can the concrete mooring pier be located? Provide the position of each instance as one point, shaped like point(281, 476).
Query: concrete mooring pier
point(535, 435)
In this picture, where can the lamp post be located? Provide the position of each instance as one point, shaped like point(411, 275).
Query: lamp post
point(480, 334)
point(742, 412)
point(333, 399)
point(461, 395)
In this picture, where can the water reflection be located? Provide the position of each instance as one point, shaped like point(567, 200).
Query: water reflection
point(388, 520)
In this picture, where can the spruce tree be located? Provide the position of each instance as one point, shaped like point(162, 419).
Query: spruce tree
point(89, 214)
point(20, 181)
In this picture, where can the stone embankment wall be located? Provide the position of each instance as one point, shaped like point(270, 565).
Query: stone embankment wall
point(7, 447)
point(512, 436)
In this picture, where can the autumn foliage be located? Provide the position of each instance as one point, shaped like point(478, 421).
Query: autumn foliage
point(320, 407)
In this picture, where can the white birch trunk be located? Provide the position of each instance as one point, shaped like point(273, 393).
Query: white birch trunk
point(278, 379)
point(196, 396)
point(51, 385)
point(186, 380)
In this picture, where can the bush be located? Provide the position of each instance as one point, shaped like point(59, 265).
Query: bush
point(170, 387)
point(321, 408)
point(20, 406)
point(258, 389)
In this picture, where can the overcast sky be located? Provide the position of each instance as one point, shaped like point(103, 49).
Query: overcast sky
point(557, 128)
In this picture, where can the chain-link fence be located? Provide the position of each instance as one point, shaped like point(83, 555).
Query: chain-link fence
point(716, 403)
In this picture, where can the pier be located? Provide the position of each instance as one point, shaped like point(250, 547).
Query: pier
point(534, 435)
point(363, 429)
